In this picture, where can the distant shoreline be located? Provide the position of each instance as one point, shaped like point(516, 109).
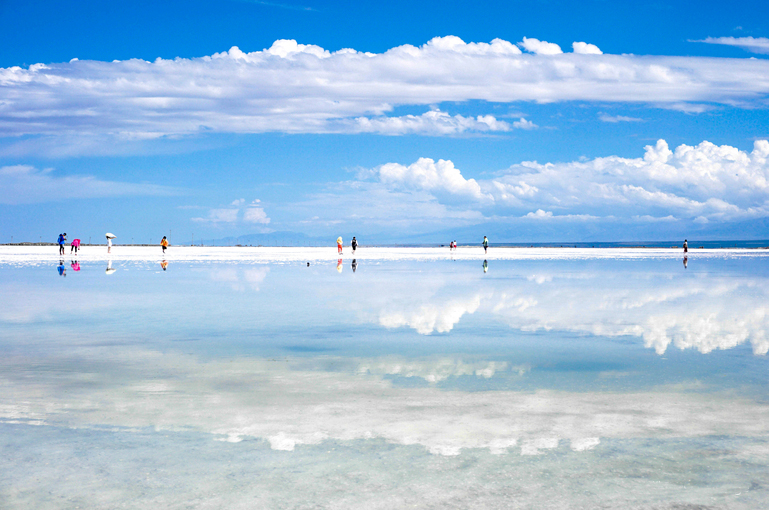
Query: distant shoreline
point(762, 244)
point(48, 254)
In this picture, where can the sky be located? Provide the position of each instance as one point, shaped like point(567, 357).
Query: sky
point(395, 122)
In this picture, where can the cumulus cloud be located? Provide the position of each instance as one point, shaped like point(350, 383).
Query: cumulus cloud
point(714, 182)
point(752, 44)
point(586, 48)
point(303, 88)
point(428, 175)
point(706, 182)
point(540, 214)
point(540, 47)
point(25, 184)
point(255, 213)
point(524, 124)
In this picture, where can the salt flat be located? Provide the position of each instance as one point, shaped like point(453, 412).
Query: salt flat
point(35, 254)
point(240, 377)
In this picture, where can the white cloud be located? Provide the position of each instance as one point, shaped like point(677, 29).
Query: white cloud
point(297, 88)
point(428, 175)
point(540, 47)
point(434, 122)
point(25, 184)
point(752, 44)
point(540, 214)
point(706, 182)
point(586, 48)
point(524, 124)
point(254, 214)
point(618, 118)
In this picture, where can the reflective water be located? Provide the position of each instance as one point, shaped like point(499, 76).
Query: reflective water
point(500, 384)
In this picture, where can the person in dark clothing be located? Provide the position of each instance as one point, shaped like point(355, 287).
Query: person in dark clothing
point(62, 240)
point(354, 244)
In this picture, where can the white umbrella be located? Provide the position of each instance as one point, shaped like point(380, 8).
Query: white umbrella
point(109, 235)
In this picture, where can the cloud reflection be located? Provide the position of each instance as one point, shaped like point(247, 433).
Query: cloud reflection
point(297, 402)
point(706, 313)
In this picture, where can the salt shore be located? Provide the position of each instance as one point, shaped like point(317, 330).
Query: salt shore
point(34, 254)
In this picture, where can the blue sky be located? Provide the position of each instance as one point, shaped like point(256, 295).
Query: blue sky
point(390, 121)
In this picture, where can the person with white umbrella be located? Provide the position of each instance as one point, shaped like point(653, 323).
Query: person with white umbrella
point(109, 237)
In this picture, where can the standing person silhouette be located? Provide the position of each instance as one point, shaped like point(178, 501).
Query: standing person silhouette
point(686, 246)
point(164, 243)
point(339, 244)
point(354, 244)
point(62, 240)
point(485, 244)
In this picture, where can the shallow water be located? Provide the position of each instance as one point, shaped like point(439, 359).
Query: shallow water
point(552, 383)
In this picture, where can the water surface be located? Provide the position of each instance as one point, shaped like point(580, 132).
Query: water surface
point(634, 383)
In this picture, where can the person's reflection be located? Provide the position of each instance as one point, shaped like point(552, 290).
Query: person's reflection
point(164, 265)
point(75, 265)
point(61, 269)
point(110, 269)
point(485, 266)
point(354, 265)
point(686, 262)
point(339, 266)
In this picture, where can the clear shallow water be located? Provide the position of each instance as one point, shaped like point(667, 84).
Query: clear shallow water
point(539, 383)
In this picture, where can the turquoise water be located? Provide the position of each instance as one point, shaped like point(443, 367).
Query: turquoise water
point(525, 383)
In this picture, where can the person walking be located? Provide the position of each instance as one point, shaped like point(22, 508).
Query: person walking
point(339, 244)
point(354, 244)
point(164, 244)
point(74, 245)
point(686, 246)
point(62, 240)
point(485, 244)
